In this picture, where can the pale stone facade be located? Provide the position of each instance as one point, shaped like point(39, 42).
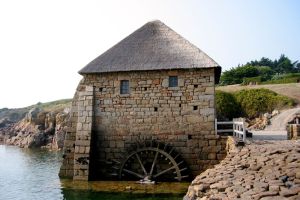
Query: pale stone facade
point(104, 122)
point(153, 86)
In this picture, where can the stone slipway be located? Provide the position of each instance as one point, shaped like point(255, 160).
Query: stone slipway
point(260, 170)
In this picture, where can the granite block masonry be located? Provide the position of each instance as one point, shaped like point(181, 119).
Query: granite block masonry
point(162, 89)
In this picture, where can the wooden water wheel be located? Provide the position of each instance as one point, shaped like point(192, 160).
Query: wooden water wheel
point(152, 161)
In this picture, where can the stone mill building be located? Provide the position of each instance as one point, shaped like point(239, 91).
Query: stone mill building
point(144, 110)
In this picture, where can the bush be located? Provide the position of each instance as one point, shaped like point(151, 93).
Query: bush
point(247, 81)
point(226, 106)
point(249, 103)
point(255, 102)
point(284, 78)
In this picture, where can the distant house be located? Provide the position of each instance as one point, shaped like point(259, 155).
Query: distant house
point(145, 109)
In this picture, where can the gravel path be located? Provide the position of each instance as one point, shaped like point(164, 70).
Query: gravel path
point(277, 129)
point(279, 122)
point(269, 135)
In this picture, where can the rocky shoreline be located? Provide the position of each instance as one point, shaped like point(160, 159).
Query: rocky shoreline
point(259, 170)
point(38, 129)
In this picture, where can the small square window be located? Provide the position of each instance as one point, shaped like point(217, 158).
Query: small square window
point(124, 87)
point(195, 107)
point(173, 81)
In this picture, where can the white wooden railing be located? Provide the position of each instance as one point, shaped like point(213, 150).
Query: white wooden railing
point(238, 128)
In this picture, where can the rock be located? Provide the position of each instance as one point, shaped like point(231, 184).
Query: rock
point(202, 187)
point(128, 188)
point(275, 112)
point(265, 194)
point(32, 114)
point(5, 122)
point(298, 175)
point(260, 170)
point(290, 192)
point(37, 129)
point(274, 188)
point(260, 123)
point(267, 115)
point(284, 178)
point(220, 186)
point(273, 198)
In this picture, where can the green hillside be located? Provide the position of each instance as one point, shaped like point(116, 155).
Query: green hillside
point(15, 114)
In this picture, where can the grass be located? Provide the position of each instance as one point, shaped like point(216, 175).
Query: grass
point(55, 105)
point(17, 114)
point(286, 78)
point(291, 90)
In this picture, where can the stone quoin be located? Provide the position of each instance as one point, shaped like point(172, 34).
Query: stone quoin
point(152, 94)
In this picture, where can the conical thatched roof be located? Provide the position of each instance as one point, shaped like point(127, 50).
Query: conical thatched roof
point(154, 46)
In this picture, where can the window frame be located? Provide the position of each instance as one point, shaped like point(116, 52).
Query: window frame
point(173, 81)
point(124, 87)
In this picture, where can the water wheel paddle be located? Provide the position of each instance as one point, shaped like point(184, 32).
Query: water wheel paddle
point(151, 161)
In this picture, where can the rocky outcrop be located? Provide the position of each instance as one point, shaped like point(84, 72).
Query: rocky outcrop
point(263, 121)
point(260, 170)
point(37, 129)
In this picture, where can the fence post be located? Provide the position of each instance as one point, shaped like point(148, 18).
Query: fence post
point(216, 126)
point(244, 130)
point(233, 127)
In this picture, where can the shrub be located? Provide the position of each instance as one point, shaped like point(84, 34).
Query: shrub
point(226, 106)
point(255, 102)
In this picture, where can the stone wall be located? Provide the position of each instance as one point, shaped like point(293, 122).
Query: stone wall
point(182, 116)
point(293, 131)
point(259, 170)
point(67, 167)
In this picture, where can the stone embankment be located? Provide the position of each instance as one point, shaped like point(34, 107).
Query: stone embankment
point(37, 129)
point(266, 170)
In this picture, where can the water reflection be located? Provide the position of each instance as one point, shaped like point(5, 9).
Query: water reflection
point(122, 190)
point(29, 174)
point(33, 174)
point(91, 195)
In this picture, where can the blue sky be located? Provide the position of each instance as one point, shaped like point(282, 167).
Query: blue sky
point(43, 44)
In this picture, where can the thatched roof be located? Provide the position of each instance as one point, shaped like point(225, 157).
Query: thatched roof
point(154, 46)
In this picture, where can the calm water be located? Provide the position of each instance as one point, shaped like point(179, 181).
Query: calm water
point(32, 174)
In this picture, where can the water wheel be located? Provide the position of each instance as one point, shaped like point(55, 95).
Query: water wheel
point(152, 161)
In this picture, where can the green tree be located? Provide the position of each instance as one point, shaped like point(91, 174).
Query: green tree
point(297, 67)
point(265, 72)
point(283, 65)
point(236, 75)
point(226, 106)
point(264, 68)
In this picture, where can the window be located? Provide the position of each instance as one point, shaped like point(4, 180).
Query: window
point(173, 81)
point(124, 87)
